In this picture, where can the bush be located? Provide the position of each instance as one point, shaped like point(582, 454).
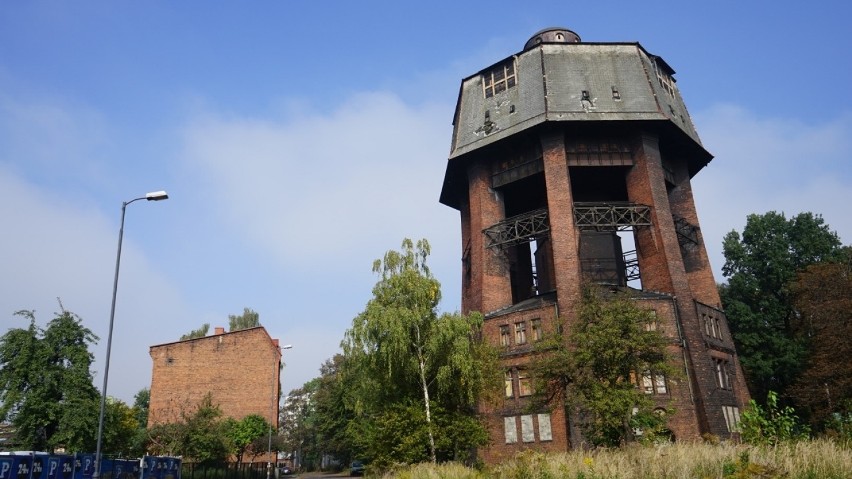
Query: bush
point(771, 425)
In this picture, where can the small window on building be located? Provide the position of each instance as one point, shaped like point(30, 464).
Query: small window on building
point(732, 417)
point(524, 383)
point(521, 332)
point(651, 325)
point(666, 81)
point(499, 79)
point(509, 384)
point(545, 433)
point(723, 378)
point(536, 330)
point(505, 340)
point(712, 327)
point(510, 430)
point(527, 432)
point(654, 383)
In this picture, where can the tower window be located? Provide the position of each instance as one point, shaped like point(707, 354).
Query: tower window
point(723, 378)
point(499, 79)
point(509, 385)
point(524, 383)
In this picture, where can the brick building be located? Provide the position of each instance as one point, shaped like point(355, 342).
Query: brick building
point(571, 162)
point(240, 369)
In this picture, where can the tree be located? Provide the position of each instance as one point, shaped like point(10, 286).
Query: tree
point(334, 410)
point(46, 384)
point(298, 428)
point(822, 298)
point(760, 264)
point(406, 352)
point(120, 429)
point(197, 333)
point(249, 319)
point(244, 432)
point(595, 370)
point(199, 436)
point(139, 441)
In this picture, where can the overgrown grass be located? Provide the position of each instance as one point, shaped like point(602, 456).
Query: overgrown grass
point(817, 459)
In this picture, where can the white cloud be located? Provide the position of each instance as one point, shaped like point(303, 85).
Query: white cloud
point(55, 248)
point(765, 164)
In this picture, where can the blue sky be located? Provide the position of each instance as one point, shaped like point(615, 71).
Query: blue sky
point(301, 140)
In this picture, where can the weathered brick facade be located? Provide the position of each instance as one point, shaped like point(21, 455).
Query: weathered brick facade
point(240, 370)
point(562, 155)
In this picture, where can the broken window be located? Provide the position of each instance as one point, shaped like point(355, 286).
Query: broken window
point(524, 383)
point(521, 332)
point(499, 79)
point(536, 330)
point(505, 339)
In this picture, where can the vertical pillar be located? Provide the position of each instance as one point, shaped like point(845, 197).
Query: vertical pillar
point(563, 232)
point(490, 287)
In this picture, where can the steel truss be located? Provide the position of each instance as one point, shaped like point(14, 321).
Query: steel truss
point(518, 229)
point(687, 233)
point(619, 216)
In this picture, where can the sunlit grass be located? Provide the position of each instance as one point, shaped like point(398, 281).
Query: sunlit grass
point(817, 459)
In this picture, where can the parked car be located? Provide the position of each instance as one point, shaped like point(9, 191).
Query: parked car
point(357, 468)
point(285, 471)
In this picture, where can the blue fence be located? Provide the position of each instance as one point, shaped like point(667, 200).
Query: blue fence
point(26, 465)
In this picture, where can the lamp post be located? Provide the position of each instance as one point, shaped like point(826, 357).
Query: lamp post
point(274, 411)
point(153, 196)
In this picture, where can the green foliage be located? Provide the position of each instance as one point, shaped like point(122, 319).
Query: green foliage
point(196, 333)
point(594, 371)
point(400, 352)
point(249, 319)
point(120, 428)
point(299, 423)
point(200, 436)
point(759, 265)
point(822, 297)
point(46, 386)
point(333, 410)
point(770, 425)
point(241, 434)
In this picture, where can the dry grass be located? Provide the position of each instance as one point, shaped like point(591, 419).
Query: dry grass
point(818, 459)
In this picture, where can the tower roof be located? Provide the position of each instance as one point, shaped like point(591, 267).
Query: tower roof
point(552, 35)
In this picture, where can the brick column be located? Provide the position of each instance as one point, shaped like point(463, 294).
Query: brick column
point(489, 287)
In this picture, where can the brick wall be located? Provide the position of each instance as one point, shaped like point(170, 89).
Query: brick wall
point(240, 370)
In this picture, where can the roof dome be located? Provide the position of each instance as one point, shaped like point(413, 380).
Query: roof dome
point(552, 35)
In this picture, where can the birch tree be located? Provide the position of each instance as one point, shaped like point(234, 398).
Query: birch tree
point(408, 351)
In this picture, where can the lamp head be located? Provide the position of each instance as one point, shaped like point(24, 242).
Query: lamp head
point(157, 196)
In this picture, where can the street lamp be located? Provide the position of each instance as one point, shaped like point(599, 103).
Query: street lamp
point(153, 196)
point(274, 412)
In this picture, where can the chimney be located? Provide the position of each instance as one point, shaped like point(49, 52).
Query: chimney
point(219, 330)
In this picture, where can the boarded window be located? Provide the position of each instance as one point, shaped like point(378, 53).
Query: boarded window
point(732, 417)
point(510, 429)
point(544, 431)
point(527, 432)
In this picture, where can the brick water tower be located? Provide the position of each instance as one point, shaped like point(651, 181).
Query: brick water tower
point(571, 162)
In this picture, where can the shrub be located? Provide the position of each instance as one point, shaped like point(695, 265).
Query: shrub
point(771, 425)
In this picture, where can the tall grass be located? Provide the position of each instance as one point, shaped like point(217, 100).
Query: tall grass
point(817, 459)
